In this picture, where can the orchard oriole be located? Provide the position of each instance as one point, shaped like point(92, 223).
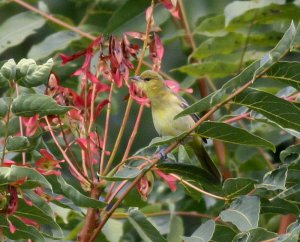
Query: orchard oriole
point(165, 105)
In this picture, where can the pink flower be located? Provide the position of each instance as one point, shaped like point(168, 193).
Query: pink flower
point(169, 179)
point(174, 10)
point(175, 86)
point(47, 164)
point(31, 124)
point(138, 96)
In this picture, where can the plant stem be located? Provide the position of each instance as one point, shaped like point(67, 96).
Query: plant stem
point(162, 213)
point(21, 127)
point(197, 188)
point(82, 178)
point(93, 97)
point(119, 137)
point(107, 119)
point(133, 134)
point(6, 134)
point(186, 26)
point(237, 118)
point(91, 218)
point(53, 19)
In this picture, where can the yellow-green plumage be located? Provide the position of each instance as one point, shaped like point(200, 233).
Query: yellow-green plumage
point(165, 105)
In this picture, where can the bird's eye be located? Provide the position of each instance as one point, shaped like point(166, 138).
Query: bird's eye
point(147, 79)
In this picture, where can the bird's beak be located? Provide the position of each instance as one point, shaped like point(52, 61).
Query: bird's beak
point(136, 78)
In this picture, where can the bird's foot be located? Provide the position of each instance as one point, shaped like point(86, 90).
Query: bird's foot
point(161, 155)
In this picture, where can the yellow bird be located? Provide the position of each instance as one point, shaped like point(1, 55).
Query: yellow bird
point(165, 105)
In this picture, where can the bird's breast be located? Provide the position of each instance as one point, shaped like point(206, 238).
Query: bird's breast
point(164, 122)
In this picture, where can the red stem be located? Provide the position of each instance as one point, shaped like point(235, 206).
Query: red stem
point(237, 118)
point(134, 132)
point(105, 138)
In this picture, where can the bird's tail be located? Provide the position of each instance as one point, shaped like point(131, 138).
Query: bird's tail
point(196, 144)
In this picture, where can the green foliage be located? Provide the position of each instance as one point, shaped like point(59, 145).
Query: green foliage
point(31, 104)
point(247, 54)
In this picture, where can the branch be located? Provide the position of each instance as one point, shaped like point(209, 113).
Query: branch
point(105, 138)
point(55, 20)
point(82, 178)
point(197, 188)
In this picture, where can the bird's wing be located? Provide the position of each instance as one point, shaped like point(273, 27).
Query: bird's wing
point(185, 105)
point(194, 116)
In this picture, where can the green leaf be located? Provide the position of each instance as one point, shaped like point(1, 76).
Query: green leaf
point(52, 43)
point(7, 72)
point(60, 186)
point(223, 233)
point(189, 172)
point(243, 213)
point(202, 105)
point(22, 143)
point(176, 229)
point(234, 187)
point(126, 173)
point(39, 202)
point(37, 214)
point(236, 9)
point(17, 28)
point(278, 110)
point(255, 235)
point(3, 107)
point(287, 72)
point(165, 140)
point(29, 74)
point(290, 194)
point(230, 134)
point(278, 206)
point(216, 69)
point(292, 234)
point(290, 154)
point(144, 227)
point(241, 13)
point(232, 42)
point(28, 105)
point(17, 143)
point(122, 21)
point(113, 230)
point(212, 26)
point(23, 231)
point(296, 42)
point(274, 180)
point(15, 173)
point(204, 233)
point(257, 68)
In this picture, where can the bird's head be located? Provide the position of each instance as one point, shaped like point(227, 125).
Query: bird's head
point(150, 82)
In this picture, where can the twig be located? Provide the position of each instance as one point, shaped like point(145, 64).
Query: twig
point(162, 213)
point(53, 19)
point(197, 188)
point(21, 127)
point(134, 132)
point(93, 97)
point(64, 153)
point(237, 118)
point(186, 26)
point(105, 138)
point(111, 197)
point(6, 134)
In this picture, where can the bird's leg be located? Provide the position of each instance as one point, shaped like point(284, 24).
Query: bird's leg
point(163, 155)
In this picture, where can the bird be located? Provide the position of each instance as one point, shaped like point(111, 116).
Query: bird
point(165, 105)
